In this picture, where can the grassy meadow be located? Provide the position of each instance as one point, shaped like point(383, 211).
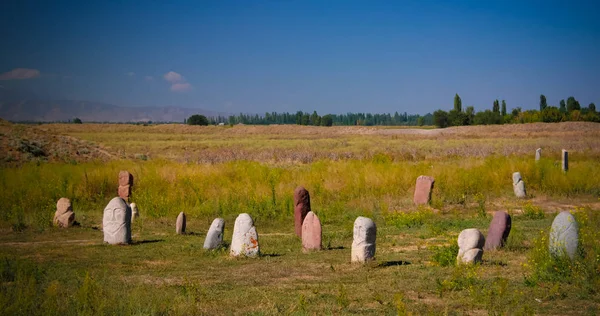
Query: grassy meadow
point(210, 172)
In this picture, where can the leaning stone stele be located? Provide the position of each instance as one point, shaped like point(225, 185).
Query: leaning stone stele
point(518, 185)
point(214, 237)
point(423, 190)
point(64, 215)
point(301, 208)
point(564, 235)
point(498, 232)
point(538, 154)
point(180, 224)
point(311, 232)
point(363, 243)
point(134, 211)
point(470, 244)
point(116, 222)
point(245, 238)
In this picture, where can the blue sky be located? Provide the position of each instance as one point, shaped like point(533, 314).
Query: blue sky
point(330, 56)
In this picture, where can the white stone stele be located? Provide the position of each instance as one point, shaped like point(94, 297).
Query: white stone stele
point(214, 237)
point(363, 243)
point(245, 238)
point(518, 185)
point(470, 244)
point(564, 235)
point(134, 211)
point(180, 224)
point(538, 154)
point(565, 160)
point(116, 222)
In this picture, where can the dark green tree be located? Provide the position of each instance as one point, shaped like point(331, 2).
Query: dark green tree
point(572, 104)
point(77, 121)
point(457, 103)
point(327, 120)
point(440, 118)
point(456, 118)
point(197, 119)
point(543, 103)
point(551, 114)
point(563, 106)
point(503, 108)
point(515, 112)
point(592, 107)
point(496, 107)
point(470, 112)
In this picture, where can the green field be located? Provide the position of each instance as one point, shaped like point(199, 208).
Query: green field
point(210, 172)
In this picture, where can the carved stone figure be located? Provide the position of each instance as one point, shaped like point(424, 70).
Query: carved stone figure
point(363, 244)
point(116, 222)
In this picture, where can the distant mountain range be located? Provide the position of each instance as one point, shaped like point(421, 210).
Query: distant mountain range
point(17, 109)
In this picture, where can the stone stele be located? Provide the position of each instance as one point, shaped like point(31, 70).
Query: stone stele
point(244, 241)
point(564, 235)
point(311, 232)
point(498, 232)
point(64, 215)
point(180, 224)
point(301, 208)
point(135, 213)
point(518, 185)
point(214, 237)
point(423, 190)
point(470, 244)
point(363, 244)
point(116, 222)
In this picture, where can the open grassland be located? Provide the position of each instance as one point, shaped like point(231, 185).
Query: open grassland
point(349, 172)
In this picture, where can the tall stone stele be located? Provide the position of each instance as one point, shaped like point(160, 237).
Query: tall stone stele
point(116, 222)
point(64, 216)
point(363, 244)
point(564, 235)
point(301, 208)
point(498, 232)
point(311, 233)
point(565, 160)
point(470, 246)
point(518, 185)
point(214, 237)
point(423, 190)
point(244, 241)
point(180, 224)
point(125, 184)
point(538, 154)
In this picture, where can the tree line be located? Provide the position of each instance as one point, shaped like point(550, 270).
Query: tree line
point(570, 110)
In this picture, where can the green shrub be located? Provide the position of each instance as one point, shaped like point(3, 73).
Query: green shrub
point(445, 255)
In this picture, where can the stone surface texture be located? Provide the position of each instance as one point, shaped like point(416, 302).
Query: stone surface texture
point(363, 243)
point(301, 208)
point(116, 222)
point(564, 235)
point(214, 237)
point(125, 184)
point(518, 185)
point(423, 190)
point(498, 231)
point(311, 232)
point(244, 241)
point(470, 244)
point(180, 224)
point(64, 216)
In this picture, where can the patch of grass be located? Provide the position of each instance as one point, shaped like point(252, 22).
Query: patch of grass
point(445, 255)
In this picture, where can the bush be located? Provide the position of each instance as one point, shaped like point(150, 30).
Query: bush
point(197, 119)
point(445, 255)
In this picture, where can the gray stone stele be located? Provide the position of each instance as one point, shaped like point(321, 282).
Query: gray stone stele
point(538, 154)
point(116, 222)
point(214, 237)
point(564, 235)
point(518, 185)
point(134, 211)
point(363, 243)
point(180, 224)
point(565, 160)
point(470, 244)
point(244, 241)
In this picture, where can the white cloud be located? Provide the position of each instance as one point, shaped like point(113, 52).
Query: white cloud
point(173, 77)
point(20, 73)
point(178, 82)
point(181, 87)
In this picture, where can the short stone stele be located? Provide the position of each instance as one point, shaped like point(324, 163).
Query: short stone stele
point(301, 208)
point(470, 244)
point(125, 184)
point(311, 232)
point(135, 213)
point(518, 185)
point(64, 215)
point(214, 237)
point(564, 235)
point(180, 224)
point(498, 232)
point(245, 239)
point(116, 222)
point(565, 160)
point(538, 154)
point(423, 190)
point(363, 244)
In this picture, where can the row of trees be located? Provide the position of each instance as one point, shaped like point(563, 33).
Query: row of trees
point(567, 111)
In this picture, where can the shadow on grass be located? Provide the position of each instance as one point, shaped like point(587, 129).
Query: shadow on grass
point(495, 263)
point(393, 263)
point(194, 234)
point(270, 255)
point(335, 248)
point(149, 241)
